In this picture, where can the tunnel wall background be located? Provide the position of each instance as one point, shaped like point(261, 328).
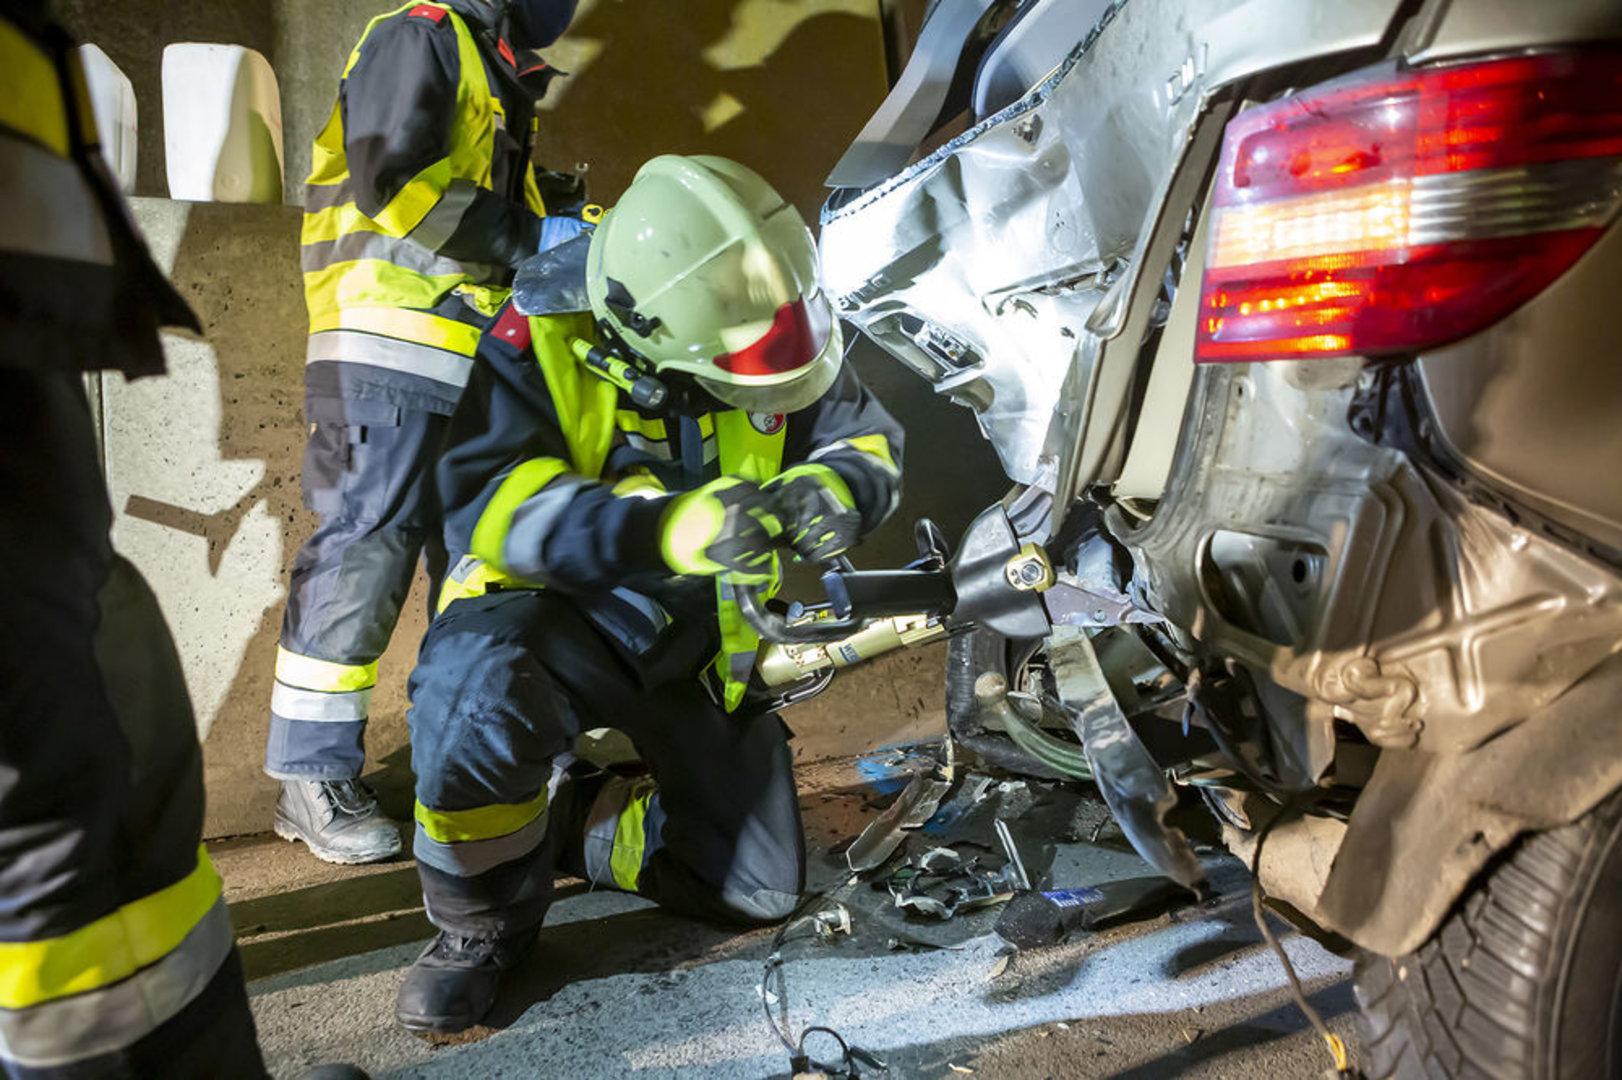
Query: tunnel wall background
point(203, 463)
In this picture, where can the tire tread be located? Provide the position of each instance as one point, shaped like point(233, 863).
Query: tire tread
point(1468, 1002)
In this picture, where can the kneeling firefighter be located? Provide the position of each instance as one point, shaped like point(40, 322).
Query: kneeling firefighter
point(659, 415)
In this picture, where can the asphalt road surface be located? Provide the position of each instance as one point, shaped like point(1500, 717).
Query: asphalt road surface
point(616, 988)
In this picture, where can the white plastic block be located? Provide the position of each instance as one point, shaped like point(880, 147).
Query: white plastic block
point(222, 124)
point(112, 99)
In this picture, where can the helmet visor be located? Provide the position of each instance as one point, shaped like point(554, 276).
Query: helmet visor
point(808, 382)
point(798, 335)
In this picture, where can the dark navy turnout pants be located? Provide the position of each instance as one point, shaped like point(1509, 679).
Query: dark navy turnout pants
point(116, 953)
point(503, 685)
point(368, 473)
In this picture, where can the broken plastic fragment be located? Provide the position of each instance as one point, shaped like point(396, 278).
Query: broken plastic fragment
point(831, 920)
point(885, 833)
point(941, 883)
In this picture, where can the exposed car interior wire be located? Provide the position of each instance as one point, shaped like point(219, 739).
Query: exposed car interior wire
point(774, 984)
point(1337, 1047)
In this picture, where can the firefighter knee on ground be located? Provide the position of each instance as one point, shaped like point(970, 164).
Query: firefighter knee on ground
point(657, 420)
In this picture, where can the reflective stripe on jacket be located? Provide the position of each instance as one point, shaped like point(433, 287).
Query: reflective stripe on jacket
point(77, 287)
point(551, 477)
point(107, 984)
point(415, 213)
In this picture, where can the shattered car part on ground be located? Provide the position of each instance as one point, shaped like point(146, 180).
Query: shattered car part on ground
point(915, 805)
point(988, 839)
point(942, 882)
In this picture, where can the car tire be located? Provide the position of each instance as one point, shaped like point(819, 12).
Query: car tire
point(1523, 981)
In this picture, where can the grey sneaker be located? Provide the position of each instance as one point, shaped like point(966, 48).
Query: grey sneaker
point(338, 820)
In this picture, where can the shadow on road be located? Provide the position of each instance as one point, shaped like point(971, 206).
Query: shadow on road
point(1275, 1024)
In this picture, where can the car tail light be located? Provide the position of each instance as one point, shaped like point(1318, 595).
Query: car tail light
point(1393, 211)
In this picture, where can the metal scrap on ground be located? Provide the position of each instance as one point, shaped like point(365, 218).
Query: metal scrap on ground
point(941, 883)
point(915, 805)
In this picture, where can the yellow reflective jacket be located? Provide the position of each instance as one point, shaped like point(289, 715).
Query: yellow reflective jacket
point(555, 476)
point(420, 199)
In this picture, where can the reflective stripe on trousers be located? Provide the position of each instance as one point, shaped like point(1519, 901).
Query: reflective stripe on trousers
point(622, 832)
point(475, 840)
point(108, 984)
point(319, 690)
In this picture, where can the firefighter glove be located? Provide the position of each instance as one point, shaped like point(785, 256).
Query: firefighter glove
point(819, 516)
point(725, 528)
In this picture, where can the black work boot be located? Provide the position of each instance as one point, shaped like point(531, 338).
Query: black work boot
point(338, 820)
point(453, 983)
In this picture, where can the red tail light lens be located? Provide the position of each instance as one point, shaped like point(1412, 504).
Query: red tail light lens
point(798, 334)
point(1390, 212)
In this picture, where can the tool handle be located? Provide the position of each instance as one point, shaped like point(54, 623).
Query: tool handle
point(776, 628)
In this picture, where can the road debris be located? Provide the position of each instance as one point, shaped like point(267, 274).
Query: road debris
point(831, 921)
point(915, 805)
point(1033, 919)
point(1016, 800)
point(942, 884)
point(1015, 870)
point(827, 921)
point(908, 943)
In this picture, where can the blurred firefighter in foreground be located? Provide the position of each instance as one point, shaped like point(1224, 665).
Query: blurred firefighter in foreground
point(116, 953)
point(655, 421)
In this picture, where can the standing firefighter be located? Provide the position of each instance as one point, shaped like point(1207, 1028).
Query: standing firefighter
point(116, 955)
point(661, 413)
point(421, 200)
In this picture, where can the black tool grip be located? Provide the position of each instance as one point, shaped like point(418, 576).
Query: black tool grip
point(876, 594)
point(776, 628)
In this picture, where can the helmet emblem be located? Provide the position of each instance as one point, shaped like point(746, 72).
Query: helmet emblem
point(767, 423)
